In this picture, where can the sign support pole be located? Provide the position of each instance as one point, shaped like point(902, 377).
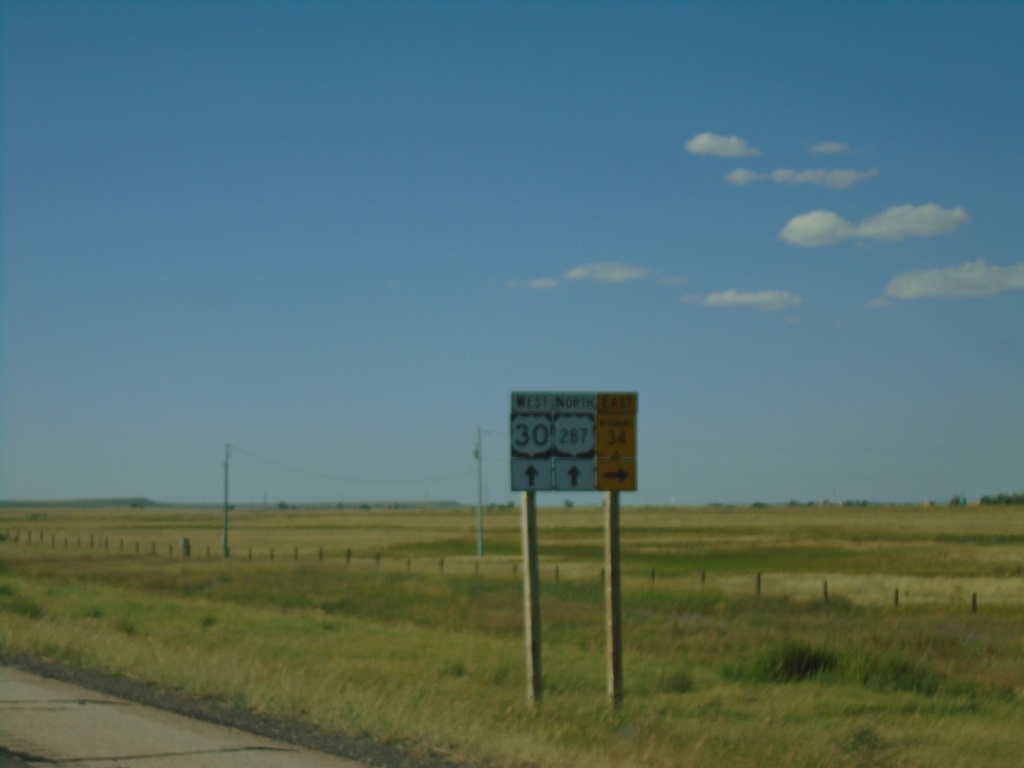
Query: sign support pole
point(531, 599)
point(479, 495)
point(613, 597)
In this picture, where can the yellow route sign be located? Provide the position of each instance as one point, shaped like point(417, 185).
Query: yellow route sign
point(615, 441)
point(616, 402)
point(616, 435)
point(616, 474)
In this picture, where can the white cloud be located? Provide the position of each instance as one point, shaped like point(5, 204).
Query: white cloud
point(974, 279)
point(828, 148)
point(768, 301)
point(817, 228)
point(840, 179)
point(912, 221)
point(608, 272)
point(721, 146)
point(743, 176)
point(896, 223)
point(543, 282)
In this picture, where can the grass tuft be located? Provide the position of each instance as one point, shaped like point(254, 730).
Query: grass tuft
point(127, 626)
point(789, 662)
point(867, 746)
point(677, 681)
point(890, 672)
point(22, 606)
point(456, 669)
point(884, 672)
point(12, 602)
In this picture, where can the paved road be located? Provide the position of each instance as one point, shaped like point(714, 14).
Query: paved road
point(43, 722)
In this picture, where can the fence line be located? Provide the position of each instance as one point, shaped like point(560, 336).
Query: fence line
point(508, 566)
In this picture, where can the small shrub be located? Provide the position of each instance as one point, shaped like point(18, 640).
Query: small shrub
point(890, 672)
point(22, 606)
point(793, 662)
point(867, 746)
point(500, 673)
point(127, 626)
point(786, 663)
point(11, 602)
point(456, 669)
point(678, 681)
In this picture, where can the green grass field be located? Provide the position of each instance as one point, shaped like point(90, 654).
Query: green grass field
point(385, 623)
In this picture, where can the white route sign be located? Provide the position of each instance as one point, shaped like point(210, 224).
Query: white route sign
point(574, 434)
point(553, 441)
point(531, 475)
point(532, 402)
point(574, 474)
point(531, 435)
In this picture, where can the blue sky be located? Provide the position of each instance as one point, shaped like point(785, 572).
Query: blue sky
point(338, 235)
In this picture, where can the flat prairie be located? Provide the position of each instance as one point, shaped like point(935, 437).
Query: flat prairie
point(768, 636)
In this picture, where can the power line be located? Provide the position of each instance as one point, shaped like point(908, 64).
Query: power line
point(349, 479)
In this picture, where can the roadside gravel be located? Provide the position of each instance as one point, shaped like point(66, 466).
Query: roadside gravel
point(358, 748)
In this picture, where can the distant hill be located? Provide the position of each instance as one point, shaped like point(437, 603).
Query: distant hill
point(138, 502)
point(131, 501)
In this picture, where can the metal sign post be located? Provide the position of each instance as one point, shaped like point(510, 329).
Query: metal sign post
point(531, 599)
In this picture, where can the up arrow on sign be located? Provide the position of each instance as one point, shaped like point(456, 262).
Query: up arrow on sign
point(531, 474)
point(574, 474)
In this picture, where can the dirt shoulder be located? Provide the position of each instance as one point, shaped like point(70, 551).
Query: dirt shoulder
point(358, 748)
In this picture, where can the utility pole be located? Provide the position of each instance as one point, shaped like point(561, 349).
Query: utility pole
point(479, 495)
point(224, 538)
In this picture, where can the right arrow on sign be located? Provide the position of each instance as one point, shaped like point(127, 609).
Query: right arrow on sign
point(616, 474)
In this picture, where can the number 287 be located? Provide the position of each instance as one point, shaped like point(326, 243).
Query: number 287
point(573, 436)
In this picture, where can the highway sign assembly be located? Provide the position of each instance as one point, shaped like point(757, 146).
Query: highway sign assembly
point(573, 441)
